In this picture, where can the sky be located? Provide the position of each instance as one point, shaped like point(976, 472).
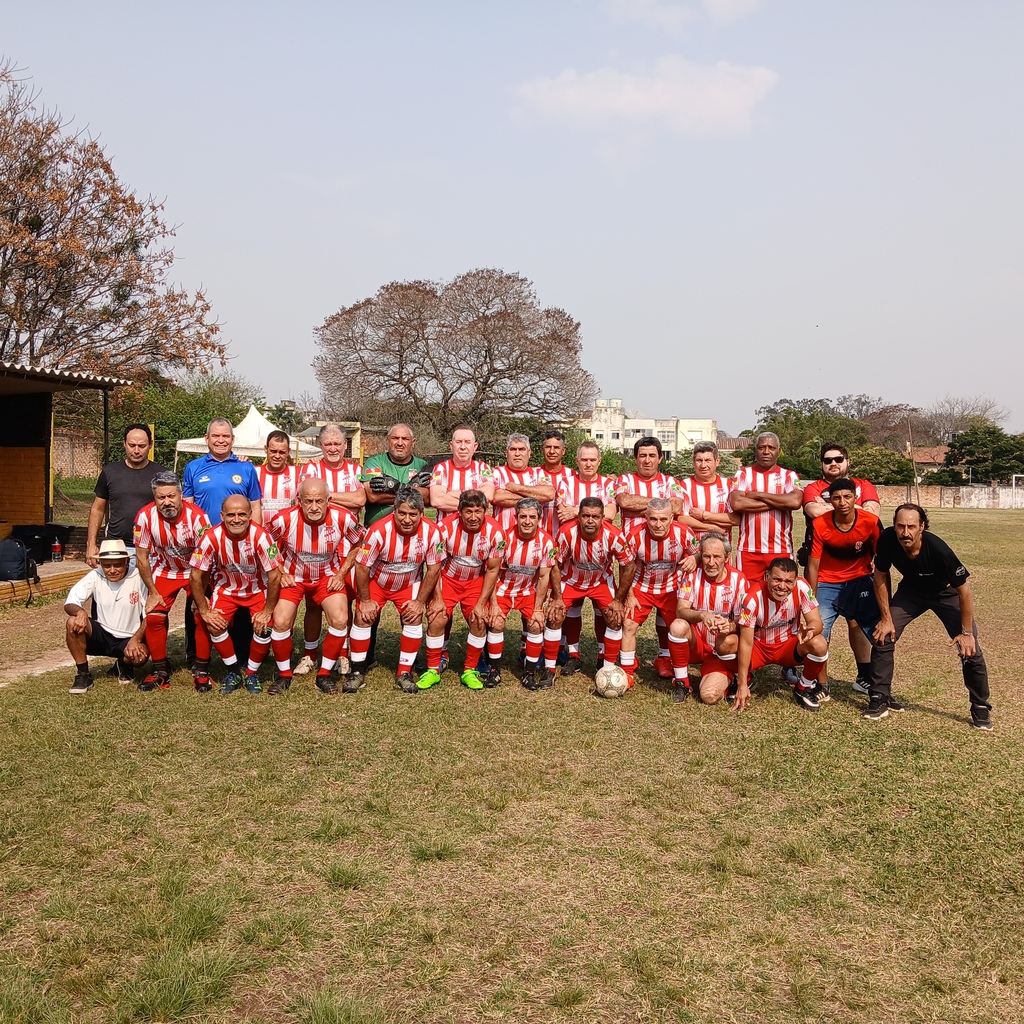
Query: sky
point(739, 200)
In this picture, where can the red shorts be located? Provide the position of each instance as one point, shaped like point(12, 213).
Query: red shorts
point(380, 596)
point(602, 595)
point(525, 604)
point(665, 603)
point(783, 654)
point(228, 604)
point(703, 653)
point(754, 564)
point(168, 590)
point(315, 592)
point(464, 593)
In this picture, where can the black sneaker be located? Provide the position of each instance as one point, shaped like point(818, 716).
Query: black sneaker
point(979, 718)
point(353, 682)
point(546, 679)
point(563, 656)
point(155, 681)
point(201, 682)
point(824, 692)
point(680, 693)
point(861, 685)
point(280, 685)
point(877, 709)
point(806, 697)
point(529, 679)
point(895, 705)
point(730, 693)
point(231, 682)
point(325, 684)
point(493, 677)
point(571, 666)
point(83, 680)
point(405, 682)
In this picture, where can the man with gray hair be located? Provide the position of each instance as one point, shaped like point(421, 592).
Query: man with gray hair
point(167, 532)
point(707, 493)
point(518, 479)
point(765, 495)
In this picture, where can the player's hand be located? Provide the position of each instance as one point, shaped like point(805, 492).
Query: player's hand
point(436, 611)
point(335, 585)
point(286, 580)
point(92, 557)
point(631, 604)
point(742, 700)
point(885, 630)
point(385, 484)
point(478, 616)
point(495, 620)
point(153, 601)
point(555, 612)
point(366, 612)
point(613, 614)
point(136, 652)
point(566, 512)
point(806, 635)
point(688, 564)
point(412, 612)
point(421, 479)
point(215, 622)
point(965, 645)
point(261, 622)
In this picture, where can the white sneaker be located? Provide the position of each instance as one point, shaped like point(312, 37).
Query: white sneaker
point(305, 666)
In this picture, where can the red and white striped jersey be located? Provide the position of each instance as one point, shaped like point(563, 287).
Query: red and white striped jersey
point(658, 561)
point(170, 545)
point(447, 475)
point(775, 622)
point(724, 597)
point(238, 567)
point(311, 551)
point(396, 561)
point(661, 485)
point(771, 531)
point(549, 516)
point(340, 478)
point(585, 564)
point(532, 476)
point(522, 560)
point(572, 492)
point(280, 490)
point(710, 497)
point(467, 554)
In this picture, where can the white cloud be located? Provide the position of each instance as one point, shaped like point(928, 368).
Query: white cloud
point(682, 96)
point(674, 17)
point(725, 12)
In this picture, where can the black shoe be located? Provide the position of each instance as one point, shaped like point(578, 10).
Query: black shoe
point(325, 684)
point(979, 718)
point(546, 679)
point(83, 680)
point(405, 682)
point(895, 705)
point(823, 691)
point(680, 693)
point(493, 677)
point(280, 685)
point(155, 681)
point(806, 697)
point(571, 666)
point(353, 682)
point(529, 679)
point(201, 682)
point(877, 709)
point(730, 693)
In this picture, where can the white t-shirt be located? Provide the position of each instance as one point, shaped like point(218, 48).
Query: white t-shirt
point(118, 606)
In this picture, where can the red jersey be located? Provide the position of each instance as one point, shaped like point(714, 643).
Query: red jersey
point(396, 561)
point(467, 554)
point(239, 566)
point(661, 485)
point(532, 476)
point(845, 554)
point(311, 551)
point(818, 491)
point(775, 622)
point(769, 532)
point(572, 492)
point(340, 478)
point(470, 478)
point(658, 561)
point(722, 597)
point(522, 560)
point(280, 490)
point(549, 516)
point(170, 544)
point(709, 497)
point(586, 564)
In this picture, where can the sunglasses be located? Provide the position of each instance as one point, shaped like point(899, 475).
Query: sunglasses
point(833, 458)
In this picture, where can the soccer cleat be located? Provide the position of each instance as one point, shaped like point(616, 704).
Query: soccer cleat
point(681, 693)
point(154, 681)
point(353, 682)
point(305, 666)
point(895, 705)
point(442, 666)
point(325, 684)
point(980, 718)
point(529, 679)
point(429, 678)
point(571, 665)
point(279, 685)
point(663, 666)
point(546, 679)
point(730, 693)
point(252, 683)
point(83, 680)
point(877, 709)
point(824, 692)
point(231, 682)
point(493, 677)
point(342, 667)
point(201, 682)
point(472, 679)
point(629, 677)
point(861, 686)
point(806, 697)
point(405, 682)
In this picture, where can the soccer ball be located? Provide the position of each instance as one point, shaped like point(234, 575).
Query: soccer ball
point(611, 681)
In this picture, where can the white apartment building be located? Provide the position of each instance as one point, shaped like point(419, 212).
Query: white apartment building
point(611, 427)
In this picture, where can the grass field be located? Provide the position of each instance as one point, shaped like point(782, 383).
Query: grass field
point(515, 856)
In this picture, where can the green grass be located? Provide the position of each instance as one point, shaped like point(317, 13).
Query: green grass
point(510, 856)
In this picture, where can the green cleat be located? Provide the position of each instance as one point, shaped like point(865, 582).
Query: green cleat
point(429, 678)
point(472, 679)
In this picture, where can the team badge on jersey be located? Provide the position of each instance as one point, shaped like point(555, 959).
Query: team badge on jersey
point(236, 478)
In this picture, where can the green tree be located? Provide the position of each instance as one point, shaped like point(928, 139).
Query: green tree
point(992, 454)
point(881, 465)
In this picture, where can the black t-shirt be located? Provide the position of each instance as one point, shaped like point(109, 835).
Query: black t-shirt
point(935, 568)
point(125, 491)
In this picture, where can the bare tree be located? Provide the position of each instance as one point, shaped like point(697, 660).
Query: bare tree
point(951, 415)
point(477, 347)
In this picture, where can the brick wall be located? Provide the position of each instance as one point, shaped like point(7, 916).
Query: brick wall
point(23, 495)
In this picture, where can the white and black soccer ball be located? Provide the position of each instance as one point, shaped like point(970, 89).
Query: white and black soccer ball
point(611, 681)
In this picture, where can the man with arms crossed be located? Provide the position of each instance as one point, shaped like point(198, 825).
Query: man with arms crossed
point(587, 482)
point(558, 475)
point(459, 473)
point(518, 479)
point(933, 579)
point(314, 538)
point(706, 494)
point(780, 625)
point(167, 532)
point(706, 631)
point(474, 544)
point(385, 473)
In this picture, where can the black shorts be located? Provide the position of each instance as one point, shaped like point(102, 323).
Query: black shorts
point(103, 644)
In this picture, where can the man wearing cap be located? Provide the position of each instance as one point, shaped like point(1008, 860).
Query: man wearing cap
point(116, 627)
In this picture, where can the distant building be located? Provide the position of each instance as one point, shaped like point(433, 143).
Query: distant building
point(613, 428)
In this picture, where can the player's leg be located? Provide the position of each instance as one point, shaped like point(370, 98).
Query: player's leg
point(285, 611)
point(812, 655)
point(312, 627)
point(975, 672)
point(156, 627)
point(438, 630)
point(828, 595)
point(410, 641)
point(496, 639)
point(680, 639)
point(335, 609)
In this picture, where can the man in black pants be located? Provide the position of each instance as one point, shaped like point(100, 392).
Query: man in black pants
point(933, 579)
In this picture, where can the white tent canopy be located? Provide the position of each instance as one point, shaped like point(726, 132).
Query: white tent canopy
point(250, 440)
